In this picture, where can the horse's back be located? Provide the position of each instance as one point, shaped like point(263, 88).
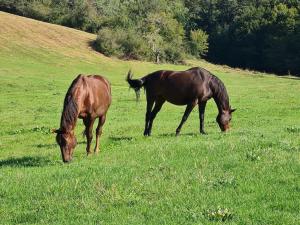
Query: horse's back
point(193, 76)
point(94, 96)
point(99, 83)
point(180, 87)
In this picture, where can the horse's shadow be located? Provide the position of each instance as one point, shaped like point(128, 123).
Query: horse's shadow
point(54, 145)
point(45, 145)
point(181, 134)
point(26, 161)
point(122, 138)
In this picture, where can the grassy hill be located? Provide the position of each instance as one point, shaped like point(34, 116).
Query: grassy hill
point(252, 171)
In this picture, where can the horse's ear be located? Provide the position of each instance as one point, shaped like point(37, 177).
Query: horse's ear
point(55, 131)
point(232, 110)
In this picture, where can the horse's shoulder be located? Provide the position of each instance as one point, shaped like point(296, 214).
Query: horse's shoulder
point(194, 68)
point(80, 77)
point(202, 73)
point(101, 79)
point(98, 77)
point(92, 78)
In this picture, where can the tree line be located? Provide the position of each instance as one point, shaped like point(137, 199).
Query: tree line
point(262, 35)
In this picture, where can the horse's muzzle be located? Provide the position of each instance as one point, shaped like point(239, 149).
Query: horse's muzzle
point(67, 160)
point(225, 128)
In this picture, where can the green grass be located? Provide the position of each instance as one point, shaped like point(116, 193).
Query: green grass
point(247, 176)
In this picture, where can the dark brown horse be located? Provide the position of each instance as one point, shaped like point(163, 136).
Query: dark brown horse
point(88, 98)
point(190, 87)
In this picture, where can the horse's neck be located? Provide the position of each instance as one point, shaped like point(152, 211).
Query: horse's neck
point(221, 107)
point(69, 116)
point(220, 95)
point(68, 127)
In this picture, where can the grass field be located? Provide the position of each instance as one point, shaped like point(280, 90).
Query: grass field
point(247, 176)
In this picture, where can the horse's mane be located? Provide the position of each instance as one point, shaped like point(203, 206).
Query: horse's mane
point(70, 109)
point(220, 92)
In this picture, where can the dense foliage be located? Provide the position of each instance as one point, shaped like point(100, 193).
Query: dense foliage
point(262, 35)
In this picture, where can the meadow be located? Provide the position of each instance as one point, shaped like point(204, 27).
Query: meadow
point(247, 176)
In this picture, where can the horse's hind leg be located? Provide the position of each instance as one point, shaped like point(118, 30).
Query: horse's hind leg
point(186, 114)
point(88, 122)
point(156, 109)
point(99, 132)
point(201, 116)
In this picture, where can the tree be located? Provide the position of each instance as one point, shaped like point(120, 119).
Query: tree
point(198, 43)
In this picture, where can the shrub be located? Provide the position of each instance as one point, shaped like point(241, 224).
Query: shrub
point(173, 54)
point(107, 42)
point(38, 10)
point(198, 43)
point(122, 43)
point(134, 46)
point(164, 36)
point(158, 37)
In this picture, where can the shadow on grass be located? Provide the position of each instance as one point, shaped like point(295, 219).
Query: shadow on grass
point(183, 135)
point(92, 44)
point(113, 138)
point(54, 145)
point(26, 161)
point(46, 145)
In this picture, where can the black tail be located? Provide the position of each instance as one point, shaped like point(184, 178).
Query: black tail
point(136, 84)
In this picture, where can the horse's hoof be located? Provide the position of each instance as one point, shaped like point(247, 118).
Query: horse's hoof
point(203, 132)
point(147, 133)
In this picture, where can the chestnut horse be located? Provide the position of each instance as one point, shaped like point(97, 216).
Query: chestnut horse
point(88, 98)
point(191, 87)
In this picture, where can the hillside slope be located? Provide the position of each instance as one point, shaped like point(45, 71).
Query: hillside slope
point(19, 32)
point(247, 176)
point(25, 36)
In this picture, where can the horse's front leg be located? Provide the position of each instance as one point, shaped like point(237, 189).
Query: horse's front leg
point(150, 103)
point(88, 122)
point(202, 106)
point(186, 114)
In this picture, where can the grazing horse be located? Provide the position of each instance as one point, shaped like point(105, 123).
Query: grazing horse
point(88, 98)
point(191, 87)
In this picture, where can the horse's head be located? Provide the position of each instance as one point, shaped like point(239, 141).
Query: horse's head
point(224, 118)
point(67, 142)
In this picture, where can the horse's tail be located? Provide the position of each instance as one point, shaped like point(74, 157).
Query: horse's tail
point(136, 84)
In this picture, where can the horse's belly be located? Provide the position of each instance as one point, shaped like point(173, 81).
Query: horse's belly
point(180, 97)
point(177, 101)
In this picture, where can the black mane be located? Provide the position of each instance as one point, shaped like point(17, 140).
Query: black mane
point(220, 94)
